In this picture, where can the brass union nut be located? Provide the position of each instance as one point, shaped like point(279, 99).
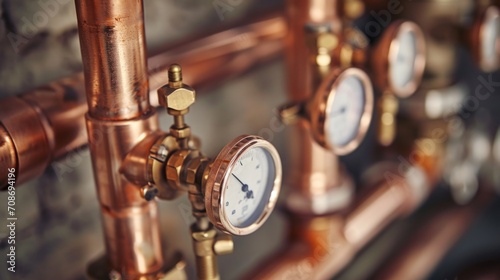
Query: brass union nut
point(176, 98)
point(176, 166)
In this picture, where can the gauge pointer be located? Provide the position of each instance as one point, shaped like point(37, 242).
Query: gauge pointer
point(339, 112)
point(244, 187)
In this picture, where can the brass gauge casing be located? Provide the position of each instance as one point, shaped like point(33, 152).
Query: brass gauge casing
point(218, 178)
point(388, 51)
point(320, 110)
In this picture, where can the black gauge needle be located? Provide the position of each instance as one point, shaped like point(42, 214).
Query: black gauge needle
point(341, 111)
point(244, 187)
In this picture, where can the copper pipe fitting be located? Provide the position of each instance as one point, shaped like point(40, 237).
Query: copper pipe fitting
point(316, 171)
point(320, 246)
point(119, 117)
point(63, 103)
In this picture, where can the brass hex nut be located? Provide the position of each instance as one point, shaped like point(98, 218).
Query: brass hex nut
point(176, 98)
point(176, 167)
point(193, 167)
point(180, 132)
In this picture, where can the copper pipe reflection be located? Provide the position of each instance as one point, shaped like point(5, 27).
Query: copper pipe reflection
point(320, 246)
point(315, 172)
point(429, 244)
point(208, 60)
point(119, 117)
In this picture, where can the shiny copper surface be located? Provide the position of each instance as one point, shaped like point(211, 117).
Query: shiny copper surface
point(112, 36)
point(119, 117)
point(208, 58)
point(299, 14)
point(320, 246)
point(8, 159)
point(31, 145)
point(314, 171)
point(62, 103)
point(428, 246)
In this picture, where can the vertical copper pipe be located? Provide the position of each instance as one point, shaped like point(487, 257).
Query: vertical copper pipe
point(113, 45)
point(209, 60)
point(314, 170)
point(120, 116)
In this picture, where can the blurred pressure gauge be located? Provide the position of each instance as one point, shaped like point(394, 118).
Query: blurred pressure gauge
point(341, 110)
point(486, 39)
point(243, 185)
point(399, 58)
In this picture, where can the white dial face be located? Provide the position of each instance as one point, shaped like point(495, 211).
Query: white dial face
point(345, 112)
point(489, 39)
point(402, 64)
point(249, 186)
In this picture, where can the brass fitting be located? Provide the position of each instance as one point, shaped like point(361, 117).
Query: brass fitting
point(177, 165)
point(322, 42)
point(177, 97)
point(207, 245)
point(388, 108)
point(157, 161)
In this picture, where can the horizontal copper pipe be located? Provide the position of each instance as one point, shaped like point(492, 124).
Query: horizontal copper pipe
point(431, 241)
point(320, 246)
point(56, 111)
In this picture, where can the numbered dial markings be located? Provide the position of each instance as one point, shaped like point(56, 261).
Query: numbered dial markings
point(346, 110)
point(243, 185)
point(248, 188)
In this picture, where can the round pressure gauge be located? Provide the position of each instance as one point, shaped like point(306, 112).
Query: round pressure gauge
point(243, 185)
point(486, 41)
point(399, 58)
point(341, 110)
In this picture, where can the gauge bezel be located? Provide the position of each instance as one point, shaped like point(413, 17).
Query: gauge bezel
point(387, 50)
point(219, 175)
point(478, 30)
point(321, 106)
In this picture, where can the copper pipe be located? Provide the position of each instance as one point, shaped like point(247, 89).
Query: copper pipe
point(299, 14)
point(320, 246)
point(208, 60)
point(428, 245)
point(431, 240)
point(315, 172)
point(119, 117)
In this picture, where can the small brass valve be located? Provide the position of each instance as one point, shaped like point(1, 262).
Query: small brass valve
point(176, 165)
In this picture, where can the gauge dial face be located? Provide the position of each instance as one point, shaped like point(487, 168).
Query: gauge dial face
point(247, 191)
point(341, 110)
point(490, 40)
point(345, 111)
point(402, 64)
point(243, 185)
point(406, 58)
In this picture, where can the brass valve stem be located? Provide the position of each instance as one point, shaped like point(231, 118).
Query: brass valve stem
point(177, 97)
point(187, 167)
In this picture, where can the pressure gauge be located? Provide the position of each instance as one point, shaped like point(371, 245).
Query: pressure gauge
point(399, 58)
point(486, 41)
point(243, 185)
point(341, 110)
